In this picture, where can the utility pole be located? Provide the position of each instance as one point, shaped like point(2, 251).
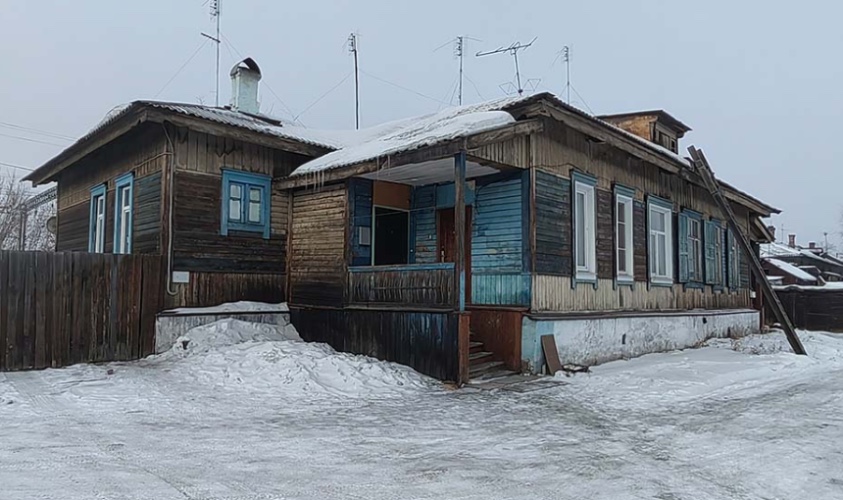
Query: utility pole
point(352, 48)
point(512, 49)
point(216, 11)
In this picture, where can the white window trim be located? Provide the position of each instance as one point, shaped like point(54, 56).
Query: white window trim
point(99, 223)
point(629, 275)
point(124, 219)
point(698, 263)
point(589, 271)
point(668, 226)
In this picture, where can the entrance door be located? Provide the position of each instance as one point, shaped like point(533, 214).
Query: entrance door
point(448, 246)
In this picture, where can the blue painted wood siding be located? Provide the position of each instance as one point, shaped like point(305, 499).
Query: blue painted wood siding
point(360, 191)
point(499, 267)
point(423, 247)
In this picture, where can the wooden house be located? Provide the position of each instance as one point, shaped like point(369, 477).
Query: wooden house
point(152, 176)
point(454, 242)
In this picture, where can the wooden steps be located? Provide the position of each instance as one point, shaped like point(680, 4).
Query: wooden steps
point(482, 363)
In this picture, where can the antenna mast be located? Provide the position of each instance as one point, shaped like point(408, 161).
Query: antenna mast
point(458, 50)
point(352, 48)
point(512, 49)
point(566, 54)
point(216, 11)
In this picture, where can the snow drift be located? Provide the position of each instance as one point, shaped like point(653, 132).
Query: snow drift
point(243, 356)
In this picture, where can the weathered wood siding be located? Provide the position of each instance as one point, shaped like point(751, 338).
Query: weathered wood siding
point(557, 152)
point(210, 289)
point(499, 243)
point(198, 244)
point(812, 309)
point(514, 152)
point(554, 253)
point(426, 341)
point(423, 236)
point(140, 151)
point(318, 246)
point(554, 293)
point(414, 285)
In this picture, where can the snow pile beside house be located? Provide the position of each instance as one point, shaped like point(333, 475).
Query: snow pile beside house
point(722, 369)
point(242, 356)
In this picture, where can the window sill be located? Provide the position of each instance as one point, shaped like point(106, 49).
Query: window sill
point(246, 228)
point(584, 277)
point(625, 281)
point(663, 282)
point(693, 285)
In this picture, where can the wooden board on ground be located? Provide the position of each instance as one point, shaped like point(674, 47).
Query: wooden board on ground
point(551, 355)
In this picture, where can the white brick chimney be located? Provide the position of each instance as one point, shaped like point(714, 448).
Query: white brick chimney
point(245, 77)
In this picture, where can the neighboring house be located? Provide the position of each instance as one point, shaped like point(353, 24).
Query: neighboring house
point(565, 225)
point(789, 273)
point(191, 182)
point(812, 259)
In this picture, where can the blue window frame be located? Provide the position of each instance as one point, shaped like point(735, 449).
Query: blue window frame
point(123, 209)
point(96, 228)
point(245, 202)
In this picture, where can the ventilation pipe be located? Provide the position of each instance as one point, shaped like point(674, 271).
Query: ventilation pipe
point(245, 77)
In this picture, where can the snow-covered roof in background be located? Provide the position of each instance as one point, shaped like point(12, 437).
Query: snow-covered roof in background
point(773, 250)
point(417, 132)
point(792, 270)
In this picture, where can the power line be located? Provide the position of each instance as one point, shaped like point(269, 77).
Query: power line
point(32, 140)
point(265, 83)
point(314, 103)
point(37, 131)
point(10, 165)
point(204, 41)
point(404, 88)
point(582, 100)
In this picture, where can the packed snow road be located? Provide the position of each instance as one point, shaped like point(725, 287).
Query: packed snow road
point(243, 412)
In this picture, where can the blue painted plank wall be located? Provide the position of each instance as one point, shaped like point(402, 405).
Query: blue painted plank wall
point(423, 226)
point(498, 246)
point(360, 191)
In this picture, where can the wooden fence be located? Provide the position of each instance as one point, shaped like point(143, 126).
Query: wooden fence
point(57, 309)
point(812, 308)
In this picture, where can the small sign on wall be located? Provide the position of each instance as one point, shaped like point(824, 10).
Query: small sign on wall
point(181, 276)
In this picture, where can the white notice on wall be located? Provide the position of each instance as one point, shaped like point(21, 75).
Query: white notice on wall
point(181, 277)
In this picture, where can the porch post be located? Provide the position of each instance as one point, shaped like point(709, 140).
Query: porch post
point(459, 229)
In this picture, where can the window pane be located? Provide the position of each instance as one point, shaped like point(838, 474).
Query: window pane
point(653, 251)
point(254, 211)
point(658, 221)
point(234, 191)
point(234, 210)
point(255, 194)
point(579, 230)
point(124, 197)
point(622, 261)
point(661, 245)
point(621, 212)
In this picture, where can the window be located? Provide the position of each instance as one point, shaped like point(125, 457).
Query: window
point(584, 228)
point(245, 204)
point(392, 233)
point(123, 213)
point(661, 241)
point(690, 245)
point(96, 233)
point(623, 234)
point(713, 253)
point(734, 270)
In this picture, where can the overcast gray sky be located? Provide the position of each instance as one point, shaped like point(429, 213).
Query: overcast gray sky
point(758, 81)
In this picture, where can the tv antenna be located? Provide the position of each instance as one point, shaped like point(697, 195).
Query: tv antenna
point(566, 56)
point(352, 49)
point(512, 49)
point(216, 11)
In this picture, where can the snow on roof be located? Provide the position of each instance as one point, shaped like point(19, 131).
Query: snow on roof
point(792, 270)
point(773, 250)
point(413, 133)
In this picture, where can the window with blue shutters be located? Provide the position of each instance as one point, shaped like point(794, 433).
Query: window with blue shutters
point(245, 202)
point(713, 253)
point(691, 255)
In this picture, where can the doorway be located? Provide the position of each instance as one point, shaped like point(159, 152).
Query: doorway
point(446, 238)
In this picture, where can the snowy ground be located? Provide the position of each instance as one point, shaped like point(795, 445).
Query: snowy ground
point(243, 413)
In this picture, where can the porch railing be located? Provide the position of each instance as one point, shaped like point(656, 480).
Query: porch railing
point(428, 285)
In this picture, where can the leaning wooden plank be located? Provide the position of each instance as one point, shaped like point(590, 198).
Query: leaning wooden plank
point(704, 170)
point(551, 355)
